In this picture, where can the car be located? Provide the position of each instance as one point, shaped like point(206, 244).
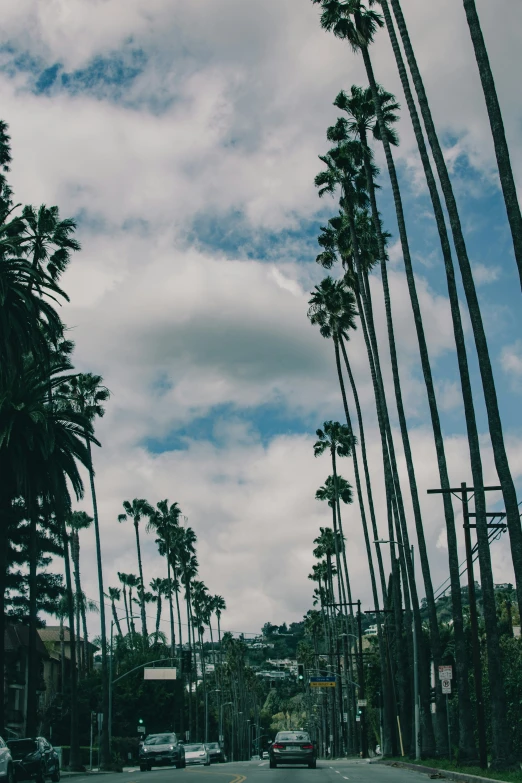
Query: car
point(34, 758)
point(197, 753)
point(216, 752)
point(160, 750)
point(6, 764)
point(293, 747)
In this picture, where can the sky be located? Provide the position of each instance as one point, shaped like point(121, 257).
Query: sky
point(183, 136)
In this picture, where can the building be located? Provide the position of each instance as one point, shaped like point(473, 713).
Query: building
point(16, 646)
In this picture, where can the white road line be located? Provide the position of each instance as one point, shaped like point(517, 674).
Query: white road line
point(346, 778)
point(262, 764)
point(337, 771)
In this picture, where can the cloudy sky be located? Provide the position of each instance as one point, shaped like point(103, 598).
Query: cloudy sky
point(183, 137)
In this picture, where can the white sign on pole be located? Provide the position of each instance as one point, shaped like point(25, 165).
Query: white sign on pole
point(446, 686)
point(159, 673)
point(362, 702)
point(358, 718)
point(445, 673)
point(141, 729)
point(345, 717)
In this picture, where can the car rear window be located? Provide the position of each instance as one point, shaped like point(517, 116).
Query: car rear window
point(213, 745)
point(22, 746)
point(194, 747)
point(292, 736)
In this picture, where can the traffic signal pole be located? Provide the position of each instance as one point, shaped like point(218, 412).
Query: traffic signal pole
point(462, 495)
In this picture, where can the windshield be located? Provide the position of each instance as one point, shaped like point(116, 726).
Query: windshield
point(160, 739)
point(292, 736)
point(213, 745)
point(194, 747)
point(22, 746)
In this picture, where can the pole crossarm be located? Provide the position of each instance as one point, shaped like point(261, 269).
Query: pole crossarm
point(460, 490)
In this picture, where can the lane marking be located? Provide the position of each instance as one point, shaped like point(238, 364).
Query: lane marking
point(346, 778)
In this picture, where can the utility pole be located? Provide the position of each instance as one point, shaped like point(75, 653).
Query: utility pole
point(364, 730)
point(462, 495)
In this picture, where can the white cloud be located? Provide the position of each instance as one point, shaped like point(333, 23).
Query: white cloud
point(225, 122)
point(485, 274)
point(511, 359)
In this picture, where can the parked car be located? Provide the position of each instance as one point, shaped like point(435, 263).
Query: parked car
point(160, 750)
point(197, 753)
point(216, 752)
point(293, 747)
point(6, 763)
point(34, 758)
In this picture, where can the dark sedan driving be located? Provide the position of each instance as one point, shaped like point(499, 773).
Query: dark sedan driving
point(34, 759)
point(293, 747)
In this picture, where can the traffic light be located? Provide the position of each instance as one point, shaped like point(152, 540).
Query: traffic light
point(140, 721)
point(186, 660)
point(300, 672)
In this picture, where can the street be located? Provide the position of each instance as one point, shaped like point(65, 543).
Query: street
point(355, 771)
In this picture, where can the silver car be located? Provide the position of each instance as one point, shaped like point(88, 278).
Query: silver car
point(197, 754)
point(293, 747)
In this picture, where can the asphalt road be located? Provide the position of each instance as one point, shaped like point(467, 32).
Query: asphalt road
point(355, 771)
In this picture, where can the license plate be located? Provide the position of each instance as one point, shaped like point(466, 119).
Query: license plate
point(293, 747)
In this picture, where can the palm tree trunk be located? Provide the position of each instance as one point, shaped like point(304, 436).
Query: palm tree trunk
point(158, 619)
point(75, 762)
point(141, 590)
point(5, 522)
point(171, 607)
point(500, 733)
point(127, 615)
point(115, 618)
point(507, 180)
point(32, 662)
point(105, 750)
point(366, 474)
point(176, 582)
point(75, 555)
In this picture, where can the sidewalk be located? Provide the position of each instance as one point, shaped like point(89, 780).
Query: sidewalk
point(437, 772)
point(95, 771)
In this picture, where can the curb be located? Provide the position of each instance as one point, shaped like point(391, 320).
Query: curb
point(443, 773)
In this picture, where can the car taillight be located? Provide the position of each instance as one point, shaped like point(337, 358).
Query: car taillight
point(278, 746)
point(307, 747)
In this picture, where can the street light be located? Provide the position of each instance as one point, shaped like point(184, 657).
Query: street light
point(113, 622)
point(225, 704)
point(216, 690)
point(415, 655)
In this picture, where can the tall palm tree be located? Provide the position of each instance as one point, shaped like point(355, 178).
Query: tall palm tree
point(219, 607)
point(134, 583)
point(165, 521)
point(361, 121)
point(47, 240)
point(40, 446)
point(86, 394)
point(124, 581)
point(135, 511)
point(158, 587)
point(332, 307)
point(115, 595)
point(507, 180)
point(79, 520)
point(495, 426)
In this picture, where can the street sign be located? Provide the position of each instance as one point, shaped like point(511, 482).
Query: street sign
point(446, 686)
point(141, 730)
point(445, 673)
point(362, 702)
point(159, 673)
point(322, 682)
point(187, 735)
point(345, 717)
point(358, 718)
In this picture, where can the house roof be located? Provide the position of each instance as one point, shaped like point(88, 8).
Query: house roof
point(17, 635)
point(51, 633)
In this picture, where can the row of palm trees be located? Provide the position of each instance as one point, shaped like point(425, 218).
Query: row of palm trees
point(355, 239)
point(47, 416)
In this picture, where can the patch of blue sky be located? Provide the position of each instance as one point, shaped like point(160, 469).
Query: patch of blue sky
point(108, 76)
point(233, 235)
point(263, 423)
